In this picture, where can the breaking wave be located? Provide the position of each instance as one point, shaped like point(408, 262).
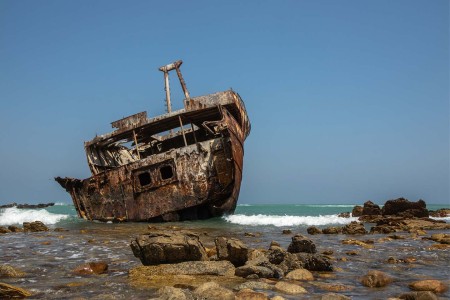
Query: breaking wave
point(280, 221)
point(327, 205)
point(14, 216)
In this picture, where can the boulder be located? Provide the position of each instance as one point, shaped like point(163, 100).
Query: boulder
point(354, 228)
point(232, 250)
point(8, 271)
point(91, 268)
point(313, 230)
point(300, 274)
point(301, 244)
point(290, 263)
point(289, 288)
point(357, 211)
point(12, 292)
point(418, 296)
point(435, 286)
point(408, 208)
point(162, 248)
point(213, 291)
point(332, 230)
point(248, 294)
point(215, 268)
point(376, 279)
point(35, 226)
point(276, 255)
point(314, 262)
point(371, 209)
point(172, 293)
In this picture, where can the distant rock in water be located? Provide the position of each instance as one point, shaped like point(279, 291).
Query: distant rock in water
point(405, 208)
point(27, 206)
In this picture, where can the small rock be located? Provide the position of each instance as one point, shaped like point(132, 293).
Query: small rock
point(313, 230)
point(250, 234)
point(418, 296)
point(35, 226)
point(91, 268)
point(254, 285)
point(247, 294)
point(8, 271)
point(9, 291)
point(13, 228)
point(277, 298)
point(213, 291)
point(327, 252)
point(262, 272)
point(289, 288)
point(287, 231)
point(354, 228)
point(301, 244)
point(333, 296)
point(232, 250)
point(332, 230)
point(431, 285)
point(352, 253)
point(300, 274)
point(344, 215)
point(4, 230)
point(59, 229)
point(171, 293)
point(274, 244)
point(376, 279)
point(357, 242)
point(357, 211)
point(314, 262)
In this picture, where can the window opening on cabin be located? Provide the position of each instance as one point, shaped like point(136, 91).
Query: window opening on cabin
point(144, 179)
point(166, 172)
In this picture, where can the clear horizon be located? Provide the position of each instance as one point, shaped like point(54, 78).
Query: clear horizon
point(349, 100)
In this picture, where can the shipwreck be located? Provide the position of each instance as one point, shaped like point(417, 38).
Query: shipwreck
point(183, 165)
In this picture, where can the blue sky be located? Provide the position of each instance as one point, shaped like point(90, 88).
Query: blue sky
point(349, 100)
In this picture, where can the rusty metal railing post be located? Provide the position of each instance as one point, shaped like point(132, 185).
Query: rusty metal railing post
point(175, 65)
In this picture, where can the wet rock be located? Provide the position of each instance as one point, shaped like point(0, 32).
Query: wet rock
point(442, 238)
point(371, 209)
point(12, 292)
point(440, 213)
point(404, 207)
point(344, 215)
point(313, 230)
point(215, 268)
point(59, 229)
point(289, 288)
point(161, 248)
point(277, 298)
point(232, 250)
point(276, 255)
point(13, 228)
point(254, 254)
point(352, 253)
point(300, 274)
point(4, 230)
point(358, 243)
point(254, 285)
point(260, 271)
point(418, 296)
point(248, 294)
point(332, 230)
point(274, 244)
point(9, 271)
point(91, 268)
point(314, 262)
point(333, 287)
point(301, 244)
point(287, 231)
point(290, 263)
point(327, 252)
point(35, 226)
point(172, 293)
point(213, 291)
point(354, 228)
point(376, 279)
point(333, 296)
point(357, 211)
point(382, 229)
point(435, 286)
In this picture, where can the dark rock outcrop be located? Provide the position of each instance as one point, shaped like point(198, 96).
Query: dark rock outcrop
point(357, 211)
point(161, 248)
point(314, 262)
point(354, 228)
point(332, 230)
point(35, 226)
point(371, 209)
point(301, 244)
point(406, 208)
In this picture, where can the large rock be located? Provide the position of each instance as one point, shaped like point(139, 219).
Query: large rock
point(440, 213)
point(370, 209)
point(35, 226)
point(354, 228)
point(418, 296)
point(376, 279)
point(435, 286)
point(314, 262)
point(301, 244)
point(213, 291)
point(289, 288)
point(232, 250)
point(406, 208)
point(12, 292)
point(162, 248)
point(357, 211)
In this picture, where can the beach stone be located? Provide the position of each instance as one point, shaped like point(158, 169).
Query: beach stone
point(376, 279)
point(313, 230)
point(12, 292)
point(215, 268)
point(370, 209)
point(162, 248)
point(172, 293)
point(301, 244)
point(9, 271)
point(255, 254)
point(354, 228)
point(35, 226)
point(435, 286)
point(4, 230)
point(276, 255)
point(287, 231)
point(344, 215)
point(213, 291)
point(332, 230)
point(357, 211)
point(425, 295)
point(290, 263)
point(248, 294)
point(289, 288)
point(334, 296)
point(91, 268)
point(300, 274)
point(13, 228)
point(262, 272)
point(274, 244)
point(232, 250)
point(277, 297)
point(404, 207)
point(254, 285)
point(357, 242)
point(314, 262)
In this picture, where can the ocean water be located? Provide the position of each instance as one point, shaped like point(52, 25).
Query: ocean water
point(49, 258)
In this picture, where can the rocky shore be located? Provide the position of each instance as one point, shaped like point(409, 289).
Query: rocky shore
point(382, 254)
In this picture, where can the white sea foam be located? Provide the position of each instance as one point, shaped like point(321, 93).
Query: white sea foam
point(13, 216)
point(280, 221)
point(327, 205)
point(446, 219)
point(243, 204)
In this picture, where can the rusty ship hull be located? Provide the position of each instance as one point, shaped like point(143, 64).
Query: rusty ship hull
point(183, 165)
